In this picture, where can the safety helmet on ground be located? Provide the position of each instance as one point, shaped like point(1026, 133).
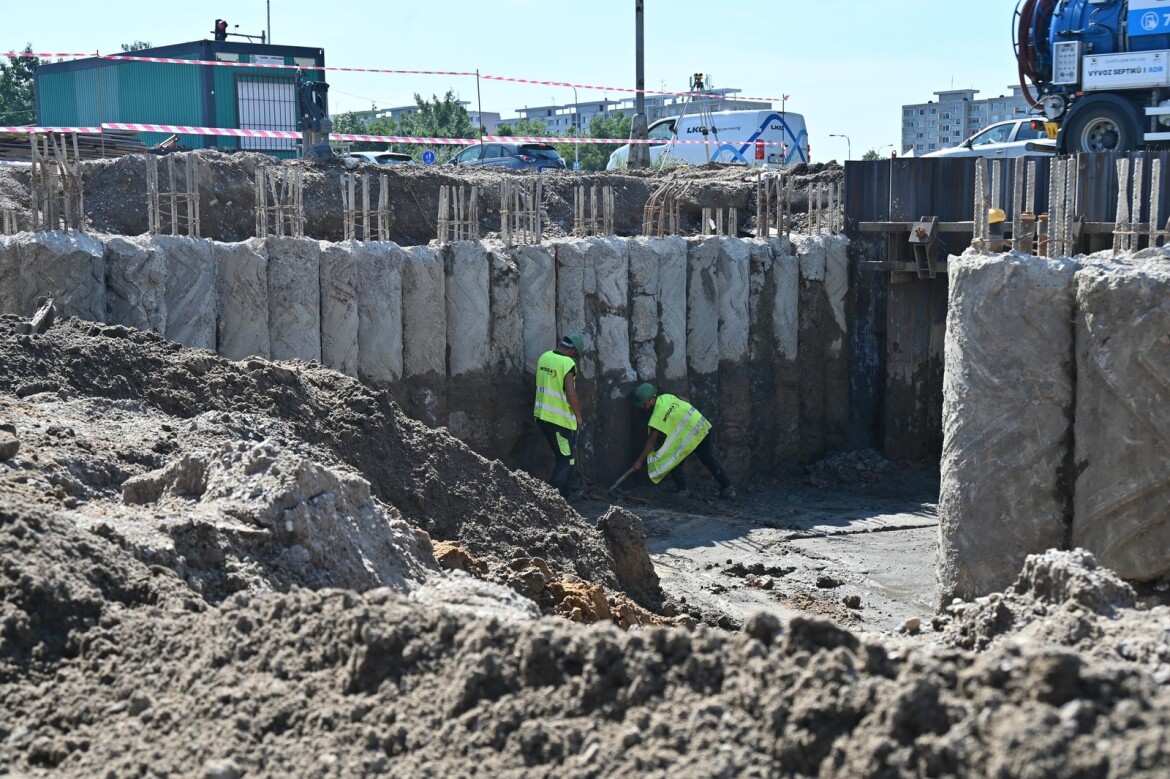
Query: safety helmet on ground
point(644, 393)
point(575, 341)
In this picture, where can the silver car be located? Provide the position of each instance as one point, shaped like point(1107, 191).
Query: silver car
point(1013, 138)
point(380, 157)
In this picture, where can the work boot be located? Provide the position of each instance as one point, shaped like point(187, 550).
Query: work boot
point(728, 492)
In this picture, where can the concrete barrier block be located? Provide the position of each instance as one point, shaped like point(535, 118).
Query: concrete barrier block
point(9, 276)
point(813, 256)
point(673, 264)
point(1122, 429)
point(538, 300)
point(380, 331)
point(576, 280)
point(703, 306)
point(1007, 419)
point(733, 265)
point(468, 307)
point(339, 307)
point(424, 317)
point(190, 289)
point(136, 284)
point(611, 260)
point(294, 298)
point(242, 300)
point(643, 318)
point(507, 324)
point(837, 290)
point(644, 261)
point(70, 266)
point(786, 302)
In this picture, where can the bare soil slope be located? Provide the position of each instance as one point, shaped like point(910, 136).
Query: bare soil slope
point(195, 582)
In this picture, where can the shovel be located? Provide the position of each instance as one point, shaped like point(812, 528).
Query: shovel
point(623, 477)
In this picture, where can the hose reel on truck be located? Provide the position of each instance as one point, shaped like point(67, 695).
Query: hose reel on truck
point(1100, 70)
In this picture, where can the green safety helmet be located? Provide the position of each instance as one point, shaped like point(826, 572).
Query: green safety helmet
point(644, 393)
point(574, 340)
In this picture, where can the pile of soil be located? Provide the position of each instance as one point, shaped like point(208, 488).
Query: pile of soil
point(228, 569)
point(115, 194)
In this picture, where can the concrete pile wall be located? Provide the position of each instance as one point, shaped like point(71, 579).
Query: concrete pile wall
point(1056, 417)
point(753, 332)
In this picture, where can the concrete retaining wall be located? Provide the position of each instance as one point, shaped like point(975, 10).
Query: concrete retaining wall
point(747, 329)
point(1056, 417)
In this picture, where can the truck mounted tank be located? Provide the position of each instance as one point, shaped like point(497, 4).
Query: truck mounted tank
point(1099, 70)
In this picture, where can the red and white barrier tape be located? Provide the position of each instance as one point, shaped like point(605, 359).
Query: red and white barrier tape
point(407, 139)
point(27, 130)
point(488, 76)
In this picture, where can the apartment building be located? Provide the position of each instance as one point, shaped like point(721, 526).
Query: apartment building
point(955, 116)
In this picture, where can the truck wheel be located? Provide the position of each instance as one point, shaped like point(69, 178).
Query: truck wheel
point(1101, 128)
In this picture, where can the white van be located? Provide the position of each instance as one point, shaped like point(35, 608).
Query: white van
point(757, 138)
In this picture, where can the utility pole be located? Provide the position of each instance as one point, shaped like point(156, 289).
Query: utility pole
point(639, 156)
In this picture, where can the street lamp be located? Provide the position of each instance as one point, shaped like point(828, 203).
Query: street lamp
point(576, 131)
point(848, 145)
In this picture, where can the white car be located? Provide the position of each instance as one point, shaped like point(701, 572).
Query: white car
point(1013, 138)
point(380, 157)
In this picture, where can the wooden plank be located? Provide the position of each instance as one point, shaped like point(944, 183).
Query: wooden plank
point(906, 227)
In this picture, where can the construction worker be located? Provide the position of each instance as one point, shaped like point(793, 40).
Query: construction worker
point(685, 431)
point(558, 411)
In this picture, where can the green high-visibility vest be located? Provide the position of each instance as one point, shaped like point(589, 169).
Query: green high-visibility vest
point(684, 428)
point(552, 404)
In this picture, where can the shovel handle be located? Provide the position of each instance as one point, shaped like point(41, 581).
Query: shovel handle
point(620, 480)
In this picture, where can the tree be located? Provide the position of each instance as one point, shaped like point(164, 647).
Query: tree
point(870, 156)
point(438, 118)
point(533, 128)
point(136, 46)
point(594, 156)
point(351, 124)
point(16, 89)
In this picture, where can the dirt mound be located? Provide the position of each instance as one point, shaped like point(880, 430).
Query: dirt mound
point(226, 184)
point(337, 683)
point(428, 477)
point(173, 527)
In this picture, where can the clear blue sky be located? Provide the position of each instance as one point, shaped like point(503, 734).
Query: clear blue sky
point(848, 65)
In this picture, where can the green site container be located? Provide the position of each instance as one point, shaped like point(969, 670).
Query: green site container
point(89, 92)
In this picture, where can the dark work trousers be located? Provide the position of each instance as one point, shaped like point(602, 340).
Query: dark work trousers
point(706, 454)
point(564, 447)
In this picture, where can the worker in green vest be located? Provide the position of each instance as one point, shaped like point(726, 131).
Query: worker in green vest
point(683, 431)
point(558, 410)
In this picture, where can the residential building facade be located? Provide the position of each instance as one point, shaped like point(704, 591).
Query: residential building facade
point(956, 116)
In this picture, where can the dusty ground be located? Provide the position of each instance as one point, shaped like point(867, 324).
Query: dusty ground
point(222, 569)
point(219, 569)
point(115, 195)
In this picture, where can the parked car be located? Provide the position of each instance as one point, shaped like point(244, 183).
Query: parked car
point(380, 157)
point(1013, 138)
point(516, 156)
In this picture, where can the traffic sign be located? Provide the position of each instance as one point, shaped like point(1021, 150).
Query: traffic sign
point(429, 157)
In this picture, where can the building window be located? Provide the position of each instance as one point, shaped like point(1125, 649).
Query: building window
point(267, 104)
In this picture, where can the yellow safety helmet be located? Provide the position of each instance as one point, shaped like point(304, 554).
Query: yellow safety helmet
point(995, 216)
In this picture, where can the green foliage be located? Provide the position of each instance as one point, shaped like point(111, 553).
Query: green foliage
point(352, 124)
point(870, 156)
point(16, 89)
point(523, 127)
point(594, 156)
point(136, 46)
point(438, 118)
